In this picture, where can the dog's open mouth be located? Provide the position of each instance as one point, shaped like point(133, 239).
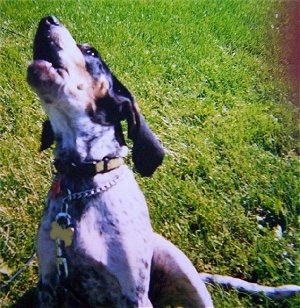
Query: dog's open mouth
point(53, 52)
point(46, 42)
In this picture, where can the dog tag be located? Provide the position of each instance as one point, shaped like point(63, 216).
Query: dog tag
point(64, 234)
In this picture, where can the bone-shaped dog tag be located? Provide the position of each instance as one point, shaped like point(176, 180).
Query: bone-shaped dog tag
point(64, 234)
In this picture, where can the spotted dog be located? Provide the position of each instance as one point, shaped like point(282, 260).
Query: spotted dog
point(96, 246)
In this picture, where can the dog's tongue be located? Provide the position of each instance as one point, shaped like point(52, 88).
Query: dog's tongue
point(44, 47)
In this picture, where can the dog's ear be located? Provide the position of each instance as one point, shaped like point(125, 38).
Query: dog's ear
point(47, 137)
point(147, 151)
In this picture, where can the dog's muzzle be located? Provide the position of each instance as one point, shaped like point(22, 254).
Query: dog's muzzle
point(57, 60)
point(46, 44)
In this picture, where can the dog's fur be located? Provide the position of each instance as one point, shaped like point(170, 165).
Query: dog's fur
point(115, 260)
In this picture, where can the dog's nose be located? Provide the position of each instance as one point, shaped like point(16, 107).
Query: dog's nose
point(51, 20)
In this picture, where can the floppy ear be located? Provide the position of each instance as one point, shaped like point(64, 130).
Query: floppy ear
point(147, 151)
point(47, 137)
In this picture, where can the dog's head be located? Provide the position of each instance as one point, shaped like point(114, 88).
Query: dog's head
point(73, 81)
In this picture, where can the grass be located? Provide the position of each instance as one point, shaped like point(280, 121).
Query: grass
point(207, 76)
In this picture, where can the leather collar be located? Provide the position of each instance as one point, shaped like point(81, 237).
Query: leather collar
point(88, 169)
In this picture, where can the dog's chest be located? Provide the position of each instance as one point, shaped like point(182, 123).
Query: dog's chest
point(112, 246)
point(114, 225)
point(109, 258)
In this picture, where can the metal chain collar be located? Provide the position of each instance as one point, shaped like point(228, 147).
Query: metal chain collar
point(90, 192)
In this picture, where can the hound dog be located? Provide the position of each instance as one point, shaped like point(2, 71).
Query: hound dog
point(96, 246)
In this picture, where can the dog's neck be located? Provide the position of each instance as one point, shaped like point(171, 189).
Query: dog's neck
point(79, 139)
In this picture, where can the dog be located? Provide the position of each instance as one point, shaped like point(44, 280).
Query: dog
point(95, 243)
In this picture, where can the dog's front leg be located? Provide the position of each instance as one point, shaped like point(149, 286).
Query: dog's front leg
point(48, 292)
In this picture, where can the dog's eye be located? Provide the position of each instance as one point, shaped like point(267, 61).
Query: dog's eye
point(92, 52)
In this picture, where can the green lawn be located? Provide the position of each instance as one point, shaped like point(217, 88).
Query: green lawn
point(207, 77)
